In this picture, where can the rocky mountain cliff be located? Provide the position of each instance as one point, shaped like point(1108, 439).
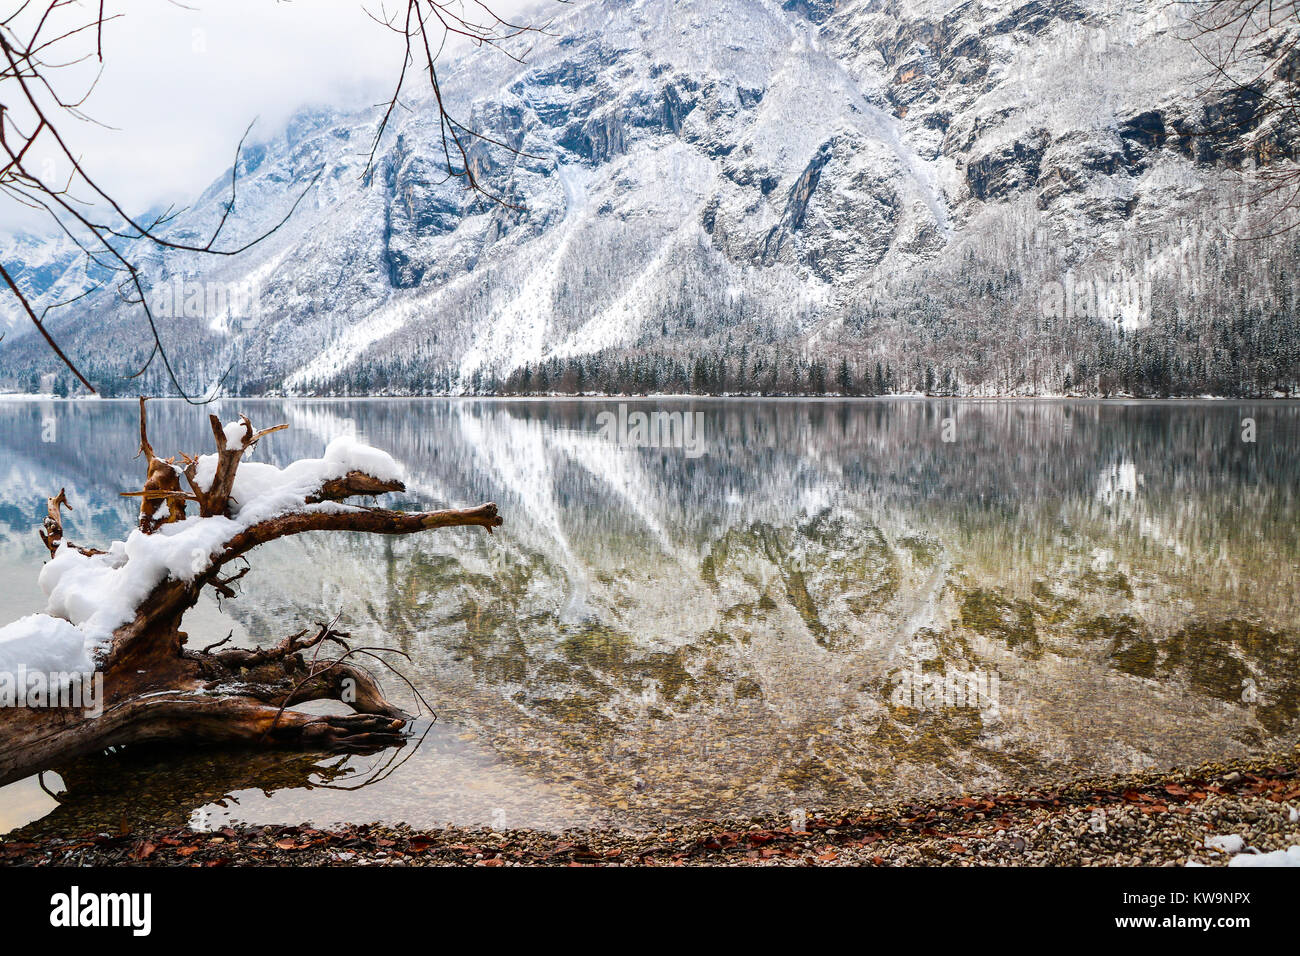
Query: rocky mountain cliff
point(822, 195)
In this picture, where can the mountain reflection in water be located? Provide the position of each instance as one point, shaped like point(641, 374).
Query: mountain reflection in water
point(779, 621)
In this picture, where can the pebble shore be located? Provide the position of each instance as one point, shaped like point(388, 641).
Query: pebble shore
point(1149, 819)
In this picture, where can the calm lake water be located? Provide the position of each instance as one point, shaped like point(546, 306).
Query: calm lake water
point(822, 603)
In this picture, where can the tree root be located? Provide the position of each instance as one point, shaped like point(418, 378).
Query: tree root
point(157, 689)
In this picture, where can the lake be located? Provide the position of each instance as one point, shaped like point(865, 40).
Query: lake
point(785, 604)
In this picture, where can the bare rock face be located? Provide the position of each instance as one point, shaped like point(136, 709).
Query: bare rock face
point(671, 175)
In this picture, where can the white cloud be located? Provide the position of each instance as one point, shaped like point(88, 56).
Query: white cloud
point(181, 83)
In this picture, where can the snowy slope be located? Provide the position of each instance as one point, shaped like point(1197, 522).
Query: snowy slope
point(686, 171)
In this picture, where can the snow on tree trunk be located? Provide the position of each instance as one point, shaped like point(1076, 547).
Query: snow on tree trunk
point(117, 612)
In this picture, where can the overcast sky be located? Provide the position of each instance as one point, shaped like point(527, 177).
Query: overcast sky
point(180, 84)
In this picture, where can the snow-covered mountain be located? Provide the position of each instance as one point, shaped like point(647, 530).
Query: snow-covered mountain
point(984, 196)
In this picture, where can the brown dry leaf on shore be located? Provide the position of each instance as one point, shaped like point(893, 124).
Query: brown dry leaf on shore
point(1153, 818)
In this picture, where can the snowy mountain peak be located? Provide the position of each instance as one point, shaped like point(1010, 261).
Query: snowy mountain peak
point(878, 179)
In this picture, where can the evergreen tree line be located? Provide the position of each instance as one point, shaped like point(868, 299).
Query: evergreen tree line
point(1252, 355)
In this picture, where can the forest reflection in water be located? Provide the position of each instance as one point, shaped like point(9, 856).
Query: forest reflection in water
point(823, 603)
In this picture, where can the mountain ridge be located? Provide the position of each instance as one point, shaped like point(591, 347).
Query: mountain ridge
point(986, 197)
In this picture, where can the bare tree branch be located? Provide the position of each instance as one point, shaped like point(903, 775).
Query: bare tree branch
point(38, 40)
point(1252, 51)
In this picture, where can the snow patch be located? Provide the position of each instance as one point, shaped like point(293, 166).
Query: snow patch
point(1242, 855)
point(1288, 857)
point(1231, 843)
point(39, 642)
point(236, 432)
point(90, 596)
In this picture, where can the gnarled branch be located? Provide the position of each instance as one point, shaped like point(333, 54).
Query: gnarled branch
point(156, 688)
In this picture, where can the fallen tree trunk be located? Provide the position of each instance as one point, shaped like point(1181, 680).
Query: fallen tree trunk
point(155, 687)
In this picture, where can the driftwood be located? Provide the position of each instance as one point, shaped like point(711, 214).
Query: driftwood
point(157, 689)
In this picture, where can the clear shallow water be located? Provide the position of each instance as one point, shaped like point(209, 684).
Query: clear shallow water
point(654, 634)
